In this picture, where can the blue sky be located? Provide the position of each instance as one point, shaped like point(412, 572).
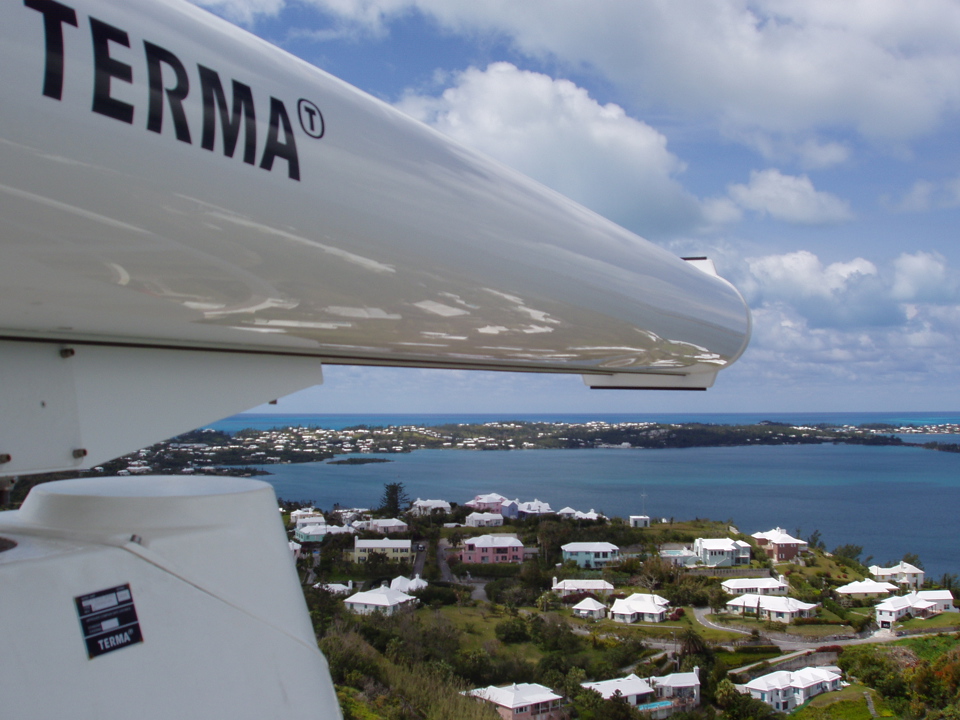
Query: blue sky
point(809, 147)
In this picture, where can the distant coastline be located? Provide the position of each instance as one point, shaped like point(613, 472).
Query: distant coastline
point(267, 421)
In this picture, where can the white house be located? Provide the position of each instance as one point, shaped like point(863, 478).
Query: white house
point(591, 554)
point(311, 519)
point(639, 521)
point(775, 608)
point(382, 599)
point(903, 574)
point(572, 587)
point(864, 589)
point(522, 701)
point(303, 513)
point(477, 519)
point(682, 689)
point(386, 526)
point(590, 608)
point(640, 607)
point(784, 691)
point(721, 552)
point(295, 549)
point(569, 513)
point(923, 604)
point(532, 508)
point(336, 588)
point(679, 556)
point(428, 507)
point(637, 691)
point(756, 586)
point(408, 585)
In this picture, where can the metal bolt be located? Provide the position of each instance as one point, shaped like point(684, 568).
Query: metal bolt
point(80, 453)
point(67, 352)
point(5, 458)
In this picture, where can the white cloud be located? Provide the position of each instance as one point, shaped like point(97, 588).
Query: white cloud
point(243, 11)
point(926, 195)
point(887, 69)
point(922, 277)
point(553, 131)
point(789, 198)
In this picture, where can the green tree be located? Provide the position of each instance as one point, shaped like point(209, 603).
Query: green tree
point(913, 559)
point(394, 499)
point(849, 551)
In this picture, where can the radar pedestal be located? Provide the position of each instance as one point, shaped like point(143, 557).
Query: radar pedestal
point(155, 597)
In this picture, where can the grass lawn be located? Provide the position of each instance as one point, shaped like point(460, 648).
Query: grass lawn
point(825, 567)
point(738, 660)
point(931, 647)
point(846, 704)
point(803, 631)
point(478, 624)
point(947, 619)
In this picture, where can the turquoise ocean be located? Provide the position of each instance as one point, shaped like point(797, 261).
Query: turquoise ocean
point(890, 500)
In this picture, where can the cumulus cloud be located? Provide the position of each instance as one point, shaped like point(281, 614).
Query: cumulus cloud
point(789, 198)
point(926, 195)
point(553, 131)
point(837, 325)
point(243, 11)
point(886, 69)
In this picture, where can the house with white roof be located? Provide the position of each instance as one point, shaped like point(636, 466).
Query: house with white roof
point(568, 513)
point(591, 554)
point(635, 690)
point(590, 608)
point(382, 599)
point(523, 701)
point(429, 507)
point(681, 689)
point(865, 589)
point(310, 532)
point(784, 691)
point(386, 526)
point(903, 574)
point(394, 550)
point(533, 508)
point(779, 545)
point(295, 549)
point(336, 588)
point(408, 585)
point(639, 521)
point(492, 549)
point(510, 508)
point(722, 552)
point(311, 519)
point(679, 556)
point(490, 502)
point(572, 587)
point(756, 586)
point(640, 607)
point(303, 513)
point(774, 608)
point(922, 604)
point(477, 519)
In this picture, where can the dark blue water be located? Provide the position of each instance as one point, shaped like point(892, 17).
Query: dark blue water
point(889, 500)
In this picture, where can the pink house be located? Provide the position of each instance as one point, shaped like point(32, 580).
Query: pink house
point(491, 502)
point(492, 549)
